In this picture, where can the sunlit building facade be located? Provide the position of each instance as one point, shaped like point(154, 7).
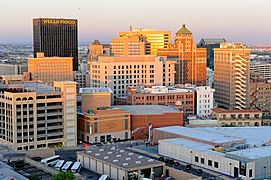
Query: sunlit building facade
point(191, 61)
point(50, 69)
point(120, 72)
point(36, 116)
point(232, 75)
point(154, 39)
point(126, 46)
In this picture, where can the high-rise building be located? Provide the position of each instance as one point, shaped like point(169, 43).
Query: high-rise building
point(56, 37)
point(191, 61)
point(36, 116)
point(210, 44)
point(127, 46)
point(232, 75)
point(50, 69)
point(119, 72)
point(154, 39)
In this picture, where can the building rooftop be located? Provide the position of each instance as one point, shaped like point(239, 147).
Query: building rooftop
point(201, 134)
point(221, 110)
point(255, 136)
point(213, 40)
point(253, 153)
point(192, 145)
point(183, 30)
point(6, 173)
point(148, 109)
point(95, 90)
point(30, 86)
point(121, 158)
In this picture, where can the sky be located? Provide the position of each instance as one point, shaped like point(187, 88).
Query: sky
point(244, 21)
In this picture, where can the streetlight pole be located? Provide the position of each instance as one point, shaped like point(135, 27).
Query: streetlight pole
point(230, 169)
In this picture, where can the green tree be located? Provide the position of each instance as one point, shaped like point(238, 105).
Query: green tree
point(64, 176)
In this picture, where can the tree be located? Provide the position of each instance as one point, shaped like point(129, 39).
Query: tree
point(64, 176)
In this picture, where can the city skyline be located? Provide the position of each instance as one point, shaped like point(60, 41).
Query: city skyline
point(237, 21)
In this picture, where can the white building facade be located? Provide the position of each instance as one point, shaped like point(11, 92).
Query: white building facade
point(205, 100)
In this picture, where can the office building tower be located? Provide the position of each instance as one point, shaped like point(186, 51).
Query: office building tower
point(127, 46)
point(119, 72)
point(56, 37)
point(50, 69)
point(191, 61)
point(210, 44)
point(232, 75)
point(154, 39)
point(36, 116)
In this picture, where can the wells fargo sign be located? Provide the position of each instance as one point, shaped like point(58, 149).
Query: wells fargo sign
point(58, 21)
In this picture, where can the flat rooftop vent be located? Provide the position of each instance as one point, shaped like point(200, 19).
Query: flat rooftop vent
point(125, 164)
point(106, 157)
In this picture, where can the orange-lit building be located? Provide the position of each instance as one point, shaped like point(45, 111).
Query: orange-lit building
point(103, 125)
point(97, 49)
point(232, 75)
point(154, 39)
point(50, 69)
point(191, 61)
point(127, 46)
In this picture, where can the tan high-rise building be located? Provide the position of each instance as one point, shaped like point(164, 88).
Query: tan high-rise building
point(154, 39)
point(127, 46)
point(120, 72)
point(37, 116)
point(191, 61)
point(50, 69)
point(232, 75)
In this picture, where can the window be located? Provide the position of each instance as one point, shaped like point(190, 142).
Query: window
point(216, 164)
point(250, 173)
point(210, 163)
point(202, 160)
point(95, 127)
point(196, 159)
point(126, 124)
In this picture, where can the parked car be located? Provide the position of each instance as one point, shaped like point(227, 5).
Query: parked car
point(171, 162)
point(177, 163)
point(199, 172)
point(188, 168)
point(161, 158)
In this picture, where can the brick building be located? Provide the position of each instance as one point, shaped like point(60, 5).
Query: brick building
point(183, 99)
point(159, 116)
point(103, 125)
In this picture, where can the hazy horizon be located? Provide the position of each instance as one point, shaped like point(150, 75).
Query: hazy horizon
point(236, 20)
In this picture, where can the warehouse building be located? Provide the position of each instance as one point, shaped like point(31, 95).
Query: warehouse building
point(242, 152)
point(120, 164)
